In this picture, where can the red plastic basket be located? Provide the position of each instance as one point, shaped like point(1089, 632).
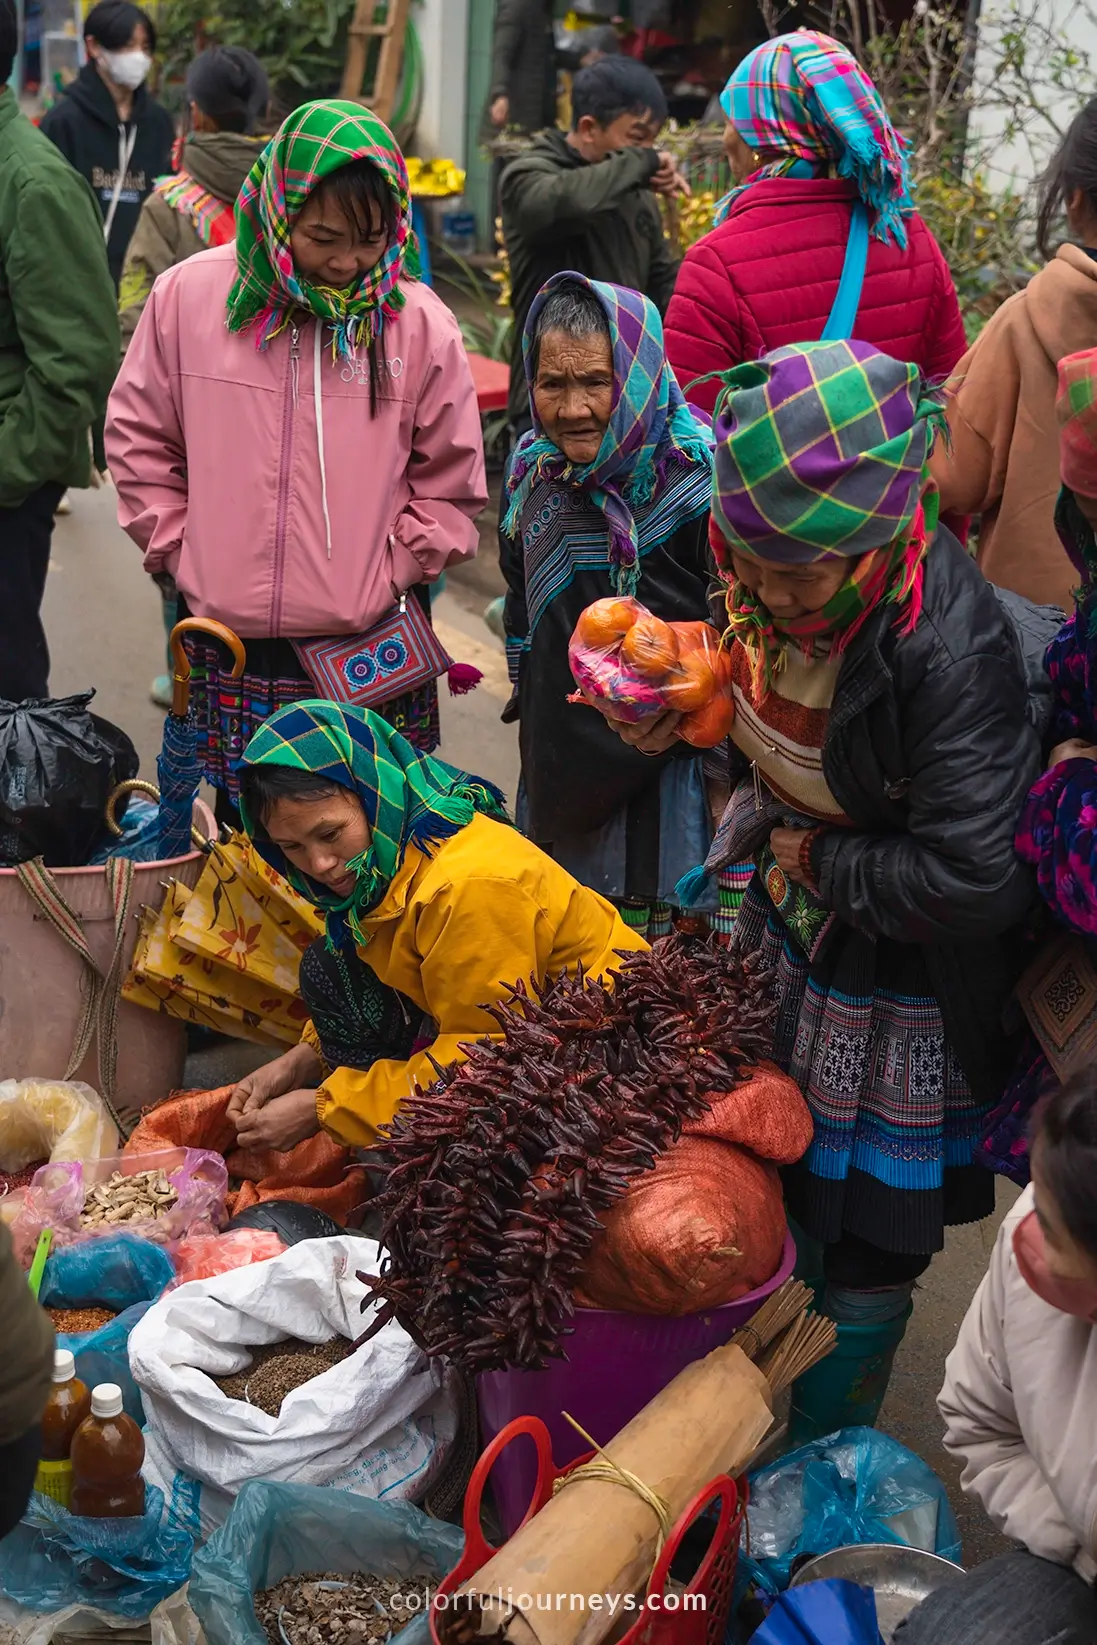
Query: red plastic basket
point(713, 1579)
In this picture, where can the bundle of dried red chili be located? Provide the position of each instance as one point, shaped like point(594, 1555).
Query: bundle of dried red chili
point(498, 1174)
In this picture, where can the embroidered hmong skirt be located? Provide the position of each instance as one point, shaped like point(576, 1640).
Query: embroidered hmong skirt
point(896, 1127)
point(228, 712)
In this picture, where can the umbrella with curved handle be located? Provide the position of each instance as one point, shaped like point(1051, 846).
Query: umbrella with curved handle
point(180, 680)
point(169, 833)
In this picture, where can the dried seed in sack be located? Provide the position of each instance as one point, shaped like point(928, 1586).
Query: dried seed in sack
point(140, 1197)
point(69, 1321)
point(330, 1609)
point(11, 1180)
point(278, 1368)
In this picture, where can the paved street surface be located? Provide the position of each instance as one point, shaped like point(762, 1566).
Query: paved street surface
point(104, 625)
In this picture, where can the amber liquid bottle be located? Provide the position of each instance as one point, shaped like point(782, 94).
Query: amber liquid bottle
point(68, 1404)
point(107, 1453)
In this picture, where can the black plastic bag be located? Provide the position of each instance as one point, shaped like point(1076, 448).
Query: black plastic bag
point(59, 764)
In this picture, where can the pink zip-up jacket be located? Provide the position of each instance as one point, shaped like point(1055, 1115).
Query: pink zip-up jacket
point(272, 520)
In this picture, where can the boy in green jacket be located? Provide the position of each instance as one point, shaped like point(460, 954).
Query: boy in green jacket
point(585, 200)
point(59, 352)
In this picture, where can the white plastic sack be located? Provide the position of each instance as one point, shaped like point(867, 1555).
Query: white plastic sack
point(377, 1424)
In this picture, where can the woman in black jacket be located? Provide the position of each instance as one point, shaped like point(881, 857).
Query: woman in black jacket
point(109, 126)
point(884, 746)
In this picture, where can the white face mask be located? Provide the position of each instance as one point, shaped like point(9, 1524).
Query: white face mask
point(127, 68)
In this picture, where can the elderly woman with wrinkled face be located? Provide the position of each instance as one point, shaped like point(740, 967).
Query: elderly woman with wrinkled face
point(608, 494)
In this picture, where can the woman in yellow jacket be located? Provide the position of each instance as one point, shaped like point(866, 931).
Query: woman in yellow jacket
point(434, 904)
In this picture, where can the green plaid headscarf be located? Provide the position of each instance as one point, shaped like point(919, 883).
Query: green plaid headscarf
point(408, 798)
point(318, 139)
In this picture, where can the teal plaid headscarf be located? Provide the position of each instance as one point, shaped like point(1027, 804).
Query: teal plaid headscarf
point(650, 426)
point(408, 798)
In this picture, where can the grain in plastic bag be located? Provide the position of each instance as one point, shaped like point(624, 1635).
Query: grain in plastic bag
point(279, 1530)
point(630, 664)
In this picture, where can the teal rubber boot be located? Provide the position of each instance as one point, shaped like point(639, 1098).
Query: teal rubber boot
point(846, 1390)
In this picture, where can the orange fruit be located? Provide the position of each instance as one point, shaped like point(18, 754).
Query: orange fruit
point(700, 637)
point(603, 624)
point(707, 726)
point(693, 683)
point(650, 648)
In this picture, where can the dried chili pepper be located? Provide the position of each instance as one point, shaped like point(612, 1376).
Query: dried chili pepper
point(497, 1174)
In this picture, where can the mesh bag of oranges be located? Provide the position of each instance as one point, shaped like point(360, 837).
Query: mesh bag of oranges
point(630, 664)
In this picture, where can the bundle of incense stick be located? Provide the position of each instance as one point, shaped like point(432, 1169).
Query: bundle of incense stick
point(775, 1314)
point(801, 1345)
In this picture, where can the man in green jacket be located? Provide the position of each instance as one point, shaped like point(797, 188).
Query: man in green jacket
point(585, 199)
point(59, 351)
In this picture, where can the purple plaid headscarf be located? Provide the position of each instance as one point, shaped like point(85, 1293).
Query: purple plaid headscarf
point(650, 426)
point(820, 450)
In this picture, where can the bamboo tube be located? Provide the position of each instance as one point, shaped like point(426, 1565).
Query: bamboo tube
point(597, 1538)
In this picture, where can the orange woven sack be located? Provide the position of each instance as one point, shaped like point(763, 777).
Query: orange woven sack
point(317, 1172)
point(707, 1225)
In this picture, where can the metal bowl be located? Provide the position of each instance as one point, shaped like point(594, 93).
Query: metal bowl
point(900, 1577)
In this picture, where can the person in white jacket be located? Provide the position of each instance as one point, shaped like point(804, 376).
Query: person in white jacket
point(1020, 1403)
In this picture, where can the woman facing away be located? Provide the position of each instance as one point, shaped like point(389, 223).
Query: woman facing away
point(814, 157)
point(193, 208)
point(1018, 1404)
point(433, 906)
point(882, 749)
point(1002, 461)
point(608, 495)
point(294, 433)
point(109, 125)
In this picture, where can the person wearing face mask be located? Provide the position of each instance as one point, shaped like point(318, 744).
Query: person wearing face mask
point(1019, 1402)
point(585, 200)
point(294, 434)
point(109, 126)
point(881, 754)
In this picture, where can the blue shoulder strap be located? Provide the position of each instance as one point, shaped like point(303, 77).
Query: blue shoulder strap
point(843, 316)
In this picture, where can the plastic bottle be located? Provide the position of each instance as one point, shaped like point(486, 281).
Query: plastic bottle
point(68, 1405)
point(107, 1454)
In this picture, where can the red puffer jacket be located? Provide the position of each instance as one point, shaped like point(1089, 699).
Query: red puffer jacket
point(769, 274)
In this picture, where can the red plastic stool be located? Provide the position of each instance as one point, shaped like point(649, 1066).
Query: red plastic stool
point(713, 1580)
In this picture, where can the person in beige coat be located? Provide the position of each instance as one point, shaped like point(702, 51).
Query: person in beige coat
point(1020, 1403)
point(1003, 464)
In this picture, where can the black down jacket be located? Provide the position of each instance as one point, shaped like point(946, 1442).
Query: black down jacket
point(930, 753)
point(523, 64)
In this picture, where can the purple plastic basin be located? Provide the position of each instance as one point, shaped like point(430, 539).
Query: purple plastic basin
point(616, 1364)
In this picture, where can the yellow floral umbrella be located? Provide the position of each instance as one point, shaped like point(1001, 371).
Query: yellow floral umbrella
point(227, 954)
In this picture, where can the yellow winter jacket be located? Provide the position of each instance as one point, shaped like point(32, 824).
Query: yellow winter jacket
point(486, 909)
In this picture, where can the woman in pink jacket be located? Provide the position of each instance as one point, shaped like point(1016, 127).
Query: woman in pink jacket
point(294, 433)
